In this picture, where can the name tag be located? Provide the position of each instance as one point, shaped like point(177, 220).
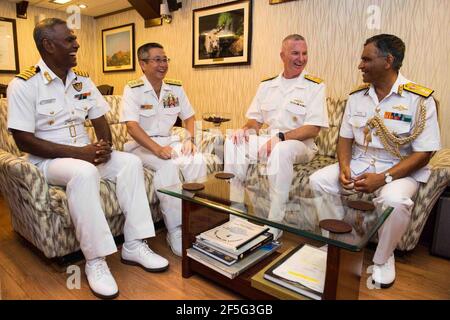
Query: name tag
point(397, 116)
point(82, 96)
point(360, 114)
point(46, 101)
point(147, 107)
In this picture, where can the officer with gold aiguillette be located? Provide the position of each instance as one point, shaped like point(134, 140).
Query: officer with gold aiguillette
point(388, 134)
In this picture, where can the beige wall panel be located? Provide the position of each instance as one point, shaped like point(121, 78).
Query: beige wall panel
point(28, 54)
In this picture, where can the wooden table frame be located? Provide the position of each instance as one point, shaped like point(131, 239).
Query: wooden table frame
point(343, 273)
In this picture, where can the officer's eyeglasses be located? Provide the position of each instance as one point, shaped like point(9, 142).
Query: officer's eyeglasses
point(158, 60)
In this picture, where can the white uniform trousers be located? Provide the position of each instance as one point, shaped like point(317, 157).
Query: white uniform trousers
point(82, 182)
point(280, 170)
point(167, 173)
point(396, 194)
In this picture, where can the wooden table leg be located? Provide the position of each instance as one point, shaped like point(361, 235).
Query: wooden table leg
point(186, 239)
point(343, 274)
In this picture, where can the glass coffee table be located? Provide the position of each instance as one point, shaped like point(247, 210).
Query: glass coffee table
point(222, 198)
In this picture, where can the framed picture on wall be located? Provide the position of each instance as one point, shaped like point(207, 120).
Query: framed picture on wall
point(222, 34)
point(118, 48)
point(9, 56)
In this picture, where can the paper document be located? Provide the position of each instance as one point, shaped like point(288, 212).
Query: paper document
point(307, 266)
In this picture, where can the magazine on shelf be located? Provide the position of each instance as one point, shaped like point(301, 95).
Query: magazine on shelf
point(244, 250)
point(302, 270)
point(240, 266)
point(213, 253)
point(232, 235)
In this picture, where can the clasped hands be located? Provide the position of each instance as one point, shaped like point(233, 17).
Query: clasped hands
point(366, 183)
point(243, 134)
point(167, 152)
point(97, 153)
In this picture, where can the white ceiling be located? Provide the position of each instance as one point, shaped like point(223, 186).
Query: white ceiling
point(94, 7)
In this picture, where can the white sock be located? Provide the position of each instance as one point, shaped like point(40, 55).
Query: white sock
point(132, 245)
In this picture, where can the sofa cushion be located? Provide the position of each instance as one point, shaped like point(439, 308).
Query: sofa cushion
point(7, 142)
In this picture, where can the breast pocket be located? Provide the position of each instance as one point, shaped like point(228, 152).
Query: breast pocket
point(296, 115)
point(268, 112)
point(398, 123)
point(47, 115)
point(170, 116)
point(358, 123)
point(82, 108)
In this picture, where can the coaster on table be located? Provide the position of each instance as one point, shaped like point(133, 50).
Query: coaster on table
point(193, 186)
point(335, 226)
point(224, 175)
point(361, 205)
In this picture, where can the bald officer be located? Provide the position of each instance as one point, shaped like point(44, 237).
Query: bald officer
point(388, 134)
point(47, 107)
point(293, 106)
point(150, 107)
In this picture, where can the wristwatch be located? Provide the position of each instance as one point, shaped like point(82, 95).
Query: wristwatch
point(281, 136)
point(388, 178)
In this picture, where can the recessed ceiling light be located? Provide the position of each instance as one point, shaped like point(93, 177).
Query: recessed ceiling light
point(60, 1)
point(82, 6)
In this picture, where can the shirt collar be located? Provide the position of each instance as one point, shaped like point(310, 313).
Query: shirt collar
point(397, 87)
point(48, 75)
point(300, 83)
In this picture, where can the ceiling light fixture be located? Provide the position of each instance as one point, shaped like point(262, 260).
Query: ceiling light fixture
point(60, 1)
point(82, 6)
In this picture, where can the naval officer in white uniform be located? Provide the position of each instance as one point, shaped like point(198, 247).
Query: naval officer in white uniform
point(293, 105)
point(387, 137)
point(150, 107)
point(47, 107)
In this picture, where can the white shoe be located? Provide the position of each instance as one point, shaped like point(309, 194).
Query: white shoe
point(174, 241)
point(144, 257)
point(100, 280)
point(384, 275)
point(277, 233)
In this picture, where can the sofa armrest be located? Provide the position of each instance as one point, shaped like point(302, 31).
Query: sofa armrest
point(426, 198)
point(22, 181)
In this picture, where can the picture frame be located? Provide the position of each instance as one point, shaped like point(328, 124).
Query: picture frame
point(118, 48)
point(279, 1)
point(222, 34)
point(9, 55)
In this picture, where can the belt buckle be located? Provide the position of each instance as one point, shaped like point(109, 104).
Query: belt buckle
point(73, 131)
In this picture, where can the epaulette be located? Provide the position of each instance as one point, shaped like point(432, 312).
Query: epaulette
point(80, 73)
point(268, 79)
point(313, 79)
point(28, 73)
point(135, 83)
point(173, 82)
point(418, 89)
point(360, 88)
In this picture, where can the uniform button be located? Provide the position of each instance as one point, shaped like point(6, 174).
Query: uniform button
point(85, 108)
point(52, 112)
point(372, 162)
point(51, 122)
point(73, 112)
point(294, 119)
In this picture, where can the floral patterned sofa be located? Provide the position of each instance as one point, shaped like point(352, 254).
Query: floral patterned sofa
point(425, 199)
point(39, 211)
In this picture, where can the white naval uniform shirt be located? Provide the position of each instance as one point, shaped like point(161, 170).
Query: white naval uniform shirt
point(302, 103)
point(55, 112)
point(361, 107)
point(156, 116)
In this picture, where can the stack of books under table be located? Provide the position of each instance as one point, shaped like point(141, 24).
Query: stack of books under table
point(233, 247)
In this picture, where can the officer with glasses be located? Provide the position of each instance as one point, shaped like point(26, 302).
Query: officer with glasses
point(150, 107)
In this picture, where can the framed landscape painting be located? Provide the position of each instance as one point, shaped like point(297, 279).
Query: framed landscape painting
point(118, 48)
point(222, 34)
point(9, 56)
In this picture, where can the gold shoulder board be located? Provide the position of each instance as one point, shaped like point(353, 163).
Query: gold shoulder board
point(313, 79)
point(28, 73)
point(418, 89)
point(81, 73)
point(360, 88)
point(173, 82)
point(268, 79)
point(135, 83)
